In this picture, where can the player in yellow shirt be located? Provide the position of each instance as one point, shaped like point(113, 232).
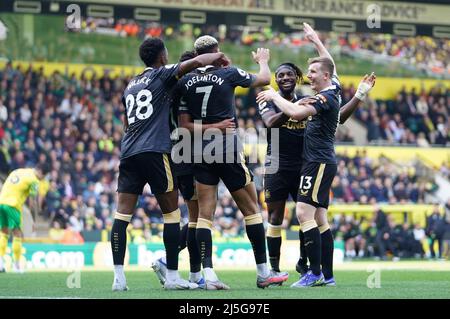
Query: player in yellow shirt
point(19, 184)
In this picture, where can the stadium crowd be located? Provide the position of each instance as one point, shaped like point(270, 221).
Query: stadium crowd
point(76, 125)
point(426, 53)
point(418, 118)
point(381, 237)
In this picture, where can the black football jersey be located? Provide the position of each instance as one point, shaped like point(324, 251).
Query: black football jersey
point(321, 129)
point(147, 100)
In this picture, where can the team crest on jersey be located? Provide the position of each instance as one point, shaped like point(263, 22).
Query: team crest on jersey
point(322, 98)
point(267, 194)
point(14, 179)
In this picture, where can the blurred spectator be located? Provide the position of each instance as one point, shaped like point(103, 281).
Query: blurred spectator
point(435, 230)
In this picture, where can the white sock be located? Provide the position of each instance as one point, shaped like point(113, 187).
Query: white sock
point(164, 260)
point(118, 272)
point(210, 275)
point(263, 270)
point(195, 276)
point(172, 275)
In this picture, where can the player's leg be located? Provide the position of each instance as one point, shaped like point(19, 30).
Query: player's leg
point(14, 223)
point(4, 236)
point(321, 195)
point(276, 191)
point(206, 187)
point(194, 252)
point(302, 264)
point(327, 247)
point(313, 192)
point(306, 207)
point(238, 179)
point(314, 277)
point(188, 190)
point(187, 235)
point(164, 185)
point(182, 243)
point(17, 249)
point(207, 201)
point(125, 208)
point(168, 202)
point(276, 214)
point(130, 186)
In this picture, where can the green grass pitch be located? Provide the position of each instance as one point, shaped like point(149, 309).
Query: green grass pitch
point(143, 284)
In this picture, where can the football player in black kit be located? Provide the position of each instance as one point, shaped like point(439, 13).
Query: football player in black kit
point(208, 94)
point(145, 154)
point(286, 158)
point(186, 184)
point(319, 162)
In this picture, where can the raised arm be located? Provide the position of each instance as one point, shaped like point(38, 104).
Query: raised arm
point(34, 200)
point(262, 57)
point(312, 36)
point(201, 60)
point(366, 84)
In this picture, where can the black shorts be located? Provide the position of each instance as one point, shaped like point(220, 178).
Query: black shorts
point(234, 175)
point(186, 185)
point(149, 167)
point(182, 168)
point(315, 183)
point(278, 186)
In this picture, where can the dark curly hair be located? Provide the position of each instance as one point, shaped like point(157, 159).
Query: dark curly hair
point(187, 55)
point(292, 66)
point(150, 50)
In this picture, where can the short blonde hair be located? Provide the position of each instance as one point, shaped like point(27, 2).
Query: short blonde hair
point(205, 43)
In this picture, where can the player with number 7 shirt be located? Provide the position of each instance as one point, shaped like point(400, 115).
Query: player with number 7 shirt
point(207, 97)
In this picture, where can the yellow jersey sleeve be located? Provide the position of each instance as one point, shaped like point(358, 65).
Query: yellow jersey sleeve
point(19, 184)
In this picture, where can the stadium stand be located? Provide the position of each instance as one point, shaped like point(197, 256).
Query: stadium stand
point(77, 122)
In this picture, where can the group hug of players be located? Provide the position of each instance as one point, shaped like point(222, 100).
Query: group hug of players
point(197, 95)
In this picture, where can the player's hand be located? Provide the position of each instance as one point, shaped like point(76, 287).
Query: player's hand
point(211, 58)
point(223, 62)
point(370, 79)
point(261, 55)
point(226, 62)
point(266, 96)
point(307, 100)
point(226, 124)
point(310, 34)
point(365, 86)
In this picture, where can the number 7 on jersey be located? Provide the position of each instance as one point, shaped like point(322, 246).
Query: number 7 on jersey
point(207, 91)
